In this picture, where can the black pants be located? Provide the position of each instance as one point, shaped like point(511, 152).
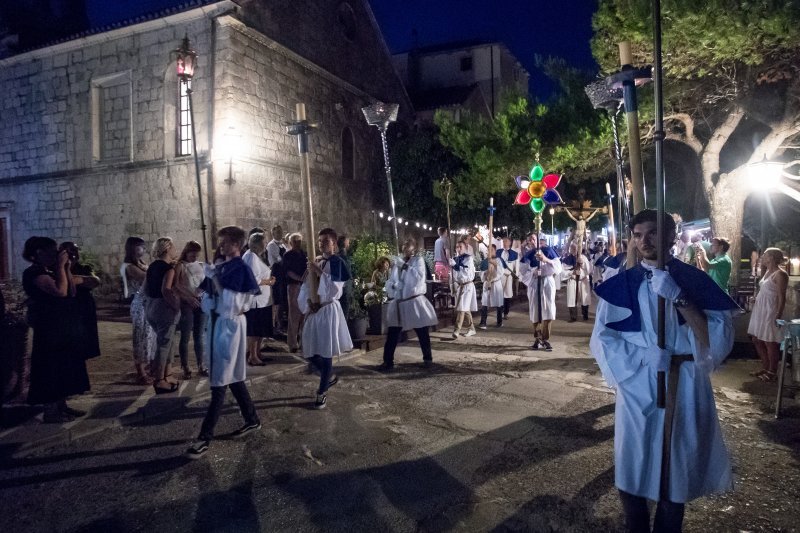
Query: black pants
point(585, 312)
point(239, 390)
point(323, 365)
point(393, 336)
point(506, 305)
point(485, 314)
point(669, 515)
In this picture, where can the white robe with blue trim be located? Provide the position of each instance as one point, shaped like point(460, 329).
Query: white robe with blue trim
point(699, 464)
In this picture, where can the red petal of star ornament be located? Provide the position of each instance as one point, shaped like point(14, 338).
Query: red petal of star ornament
point(523, 198)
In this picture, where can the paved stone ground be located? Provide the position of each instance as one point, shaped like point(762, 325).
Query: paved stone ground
point(495, 437)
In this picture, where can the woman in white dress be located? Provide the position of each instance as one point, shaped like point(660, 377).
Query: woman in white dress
point(259, 316)
point(770, 302)
point(133, 271)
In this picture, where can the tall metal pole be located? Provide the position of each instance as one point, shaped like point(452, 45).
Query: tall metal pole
point(632, 119)
point(612, 238)
point(388, 168)
point(197, 171)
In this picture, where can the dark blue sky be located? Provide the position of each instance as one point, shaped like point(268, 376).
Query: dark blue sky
point(556, 27)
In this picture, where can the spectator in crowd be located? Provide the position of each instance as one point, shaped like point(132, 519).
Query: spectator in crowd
point(381, 273)
point(466, 295)
point(441, 255)
point(85, 306)
point(325, 333)
point(235, 287)
point(294, 263)
point(699, 336)
point(58, 365)
point(691, 251)
point(163, 309)
point(468, 248)
point(767, 335)
point(275, 250)
point(719, 267)
point(259, 317)
point(598, 262)
point(188, 277)
point(682, 246)
point(134, 271)
point(408, 308)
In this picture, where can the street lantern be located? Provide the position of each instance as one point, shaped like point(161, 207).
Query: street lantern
point(185, 61)
point(552, 212)
point(765, 175)
point(381, 115)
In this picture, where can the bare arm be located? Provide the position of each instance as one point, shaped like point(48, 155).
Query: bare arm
point(702, 259)
point(87, 282)
point(570, 215)
point(168, 291)
point(135, 273)
point(592, 215)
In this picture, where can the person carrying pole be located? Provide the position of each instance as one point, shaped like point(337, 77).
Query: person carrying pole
point(538, 271)
point(466, 297)
point(698, 337)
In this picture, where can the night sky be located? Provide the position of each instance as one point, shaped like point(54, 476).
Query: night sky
point(560, 28)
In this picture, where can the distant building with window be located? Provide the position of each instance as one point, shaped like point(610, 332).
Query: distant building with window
point(96, 138)
point(460, 76)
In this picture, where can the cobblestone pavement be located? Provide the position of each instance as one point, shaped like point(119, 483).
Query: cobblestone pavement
point(494, 437)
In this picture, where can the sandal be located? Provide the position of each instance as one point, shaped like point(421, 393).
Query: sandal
point(768, 377)
point(757, 373)
point(165, 390)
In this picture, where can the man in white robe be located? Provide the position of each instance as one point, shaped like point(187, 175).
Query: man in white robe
point(538, 271)
point(579, 291)
point(466, 296)
point(699, 335)
point(235, 287)
point(508, 264)
point(409, 307)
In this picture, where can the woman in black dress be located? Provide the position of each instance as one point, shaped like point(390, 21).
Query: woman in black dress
point(58, 367)
point(85, 305)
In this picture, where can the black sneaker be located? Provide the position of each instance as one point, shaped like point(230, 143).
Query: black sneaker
point(499, 325)
point(546, 346)
point(535, 345)
point(320, 401)
point(247, 428)
point(482, 325)
point(427, 363)
point(334, 380)
point(197, 450)
point(385, 367)
point(77, 413)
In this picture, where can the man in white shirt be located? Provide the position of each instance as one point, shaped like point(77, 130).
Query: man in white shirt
point(275, 251)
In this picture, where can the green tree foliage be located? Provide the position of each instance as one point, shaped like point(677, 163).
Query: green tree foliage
point(732, 85)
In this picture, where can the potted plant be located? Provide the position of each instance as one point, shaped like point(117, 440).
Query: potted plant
point(356, 313)
point(14, 332)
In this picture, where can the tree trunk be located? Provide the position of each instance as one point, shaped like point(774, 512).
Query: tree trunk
point(726, 202)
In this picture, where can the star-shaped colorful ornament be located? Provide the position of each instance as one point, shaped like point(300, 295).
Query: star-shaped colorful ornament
point(538, 190)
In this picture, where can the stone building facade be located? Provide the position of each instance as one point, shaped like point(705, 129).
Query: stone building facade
point(90, 140)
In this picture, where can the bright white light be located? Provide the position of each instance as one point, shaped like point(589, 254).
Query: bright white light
point(389, 219)
point(406, 222)
point(231, 143)
point(399, 220)
point(417, 223)
point(380, 214)
point(764, 175)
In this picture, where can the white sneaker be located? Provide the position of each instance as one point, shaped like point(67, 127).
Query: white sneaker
point(455, 334)
point(470, 333)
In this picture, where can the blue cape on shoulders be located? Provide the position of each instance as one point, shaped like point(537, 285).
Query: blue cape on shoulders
point(622, 290)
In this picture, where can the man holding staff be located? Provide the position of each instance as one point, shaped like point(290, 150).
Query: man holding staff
point(699, 335)
point(537, 271)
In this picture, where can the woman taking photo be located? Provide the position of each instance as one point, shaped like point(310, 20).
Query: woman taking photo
point(163, 310)
point(58, 367)
point(770, 301)
point(134, 271)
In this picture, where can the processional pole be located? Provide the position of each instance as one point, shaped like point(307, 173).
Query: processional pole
point(301, 128)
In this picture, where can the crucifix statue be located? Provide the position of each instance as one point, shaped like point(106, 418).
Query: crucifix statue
point(581, 212)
